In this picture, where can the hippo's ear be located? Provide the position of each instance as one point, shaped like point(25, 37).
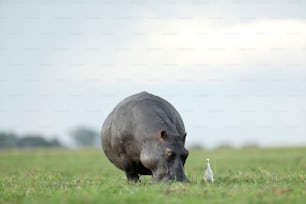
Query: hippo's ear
point(163, 134)
point(184, 137)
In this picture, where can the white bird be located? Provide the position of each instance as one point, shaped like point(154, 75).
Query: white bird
point(208, 174)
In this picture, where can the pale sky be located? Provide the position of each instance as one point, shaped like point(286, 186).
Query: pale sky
point(235, 70)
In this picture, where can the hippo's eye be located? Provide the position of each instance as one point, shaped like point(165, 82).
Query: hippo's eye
point(169, 154)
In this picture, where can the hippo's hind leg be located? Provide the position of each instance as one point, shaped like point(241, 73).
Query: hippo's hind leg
point(131, 169)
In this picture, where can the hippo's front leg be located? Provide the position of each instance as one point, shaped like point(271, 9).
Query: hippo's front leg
point(130, 168)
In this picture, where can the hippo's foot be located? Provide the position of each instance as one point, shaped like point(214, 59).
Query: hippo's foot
point(132, 178)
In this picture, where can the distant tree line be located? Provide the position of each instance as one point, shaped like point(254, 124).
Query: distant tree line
point(85, 137)
point(81, 136)
point(11, 140)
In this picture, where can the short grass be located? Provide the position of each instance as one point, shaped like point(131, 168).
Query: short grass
point(246, 175)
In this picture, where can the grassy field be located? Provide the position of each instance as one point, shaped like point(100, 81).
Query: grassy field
point(247, 175)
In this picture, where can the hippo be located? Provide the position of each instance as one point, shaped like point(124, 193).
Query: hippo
point(145, 135)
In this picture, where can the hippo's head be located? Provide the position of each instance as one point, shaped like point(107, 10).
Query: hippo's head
point(165, 156)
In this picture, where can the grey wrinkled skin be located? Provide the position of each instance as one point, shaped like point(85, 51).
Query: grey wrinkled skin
point(145, 135)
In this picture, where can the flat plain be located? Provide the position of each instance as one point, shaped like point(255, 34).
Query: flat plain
point(243, 175)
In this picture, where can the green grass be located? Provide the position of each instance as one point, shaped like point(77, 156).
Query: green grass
point(247, 175)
